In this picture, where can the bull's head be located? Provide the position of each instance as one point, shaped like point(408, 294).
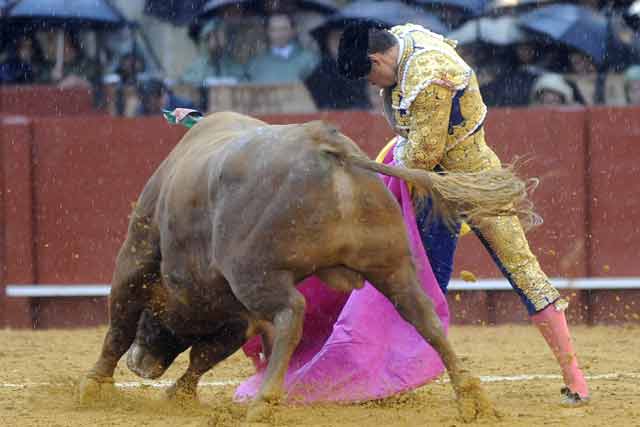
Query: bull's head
point(154, 348)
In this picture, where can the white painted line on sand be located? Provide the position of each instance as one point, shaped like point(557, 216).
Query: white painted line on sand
point(167, 383)
point(223, 383)
point(518, 378)
point(126, 384)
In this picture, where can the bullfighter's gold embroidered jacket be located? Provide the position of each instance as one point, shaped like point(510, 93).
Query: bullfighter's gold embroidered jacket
point(436, 102)
point(437, 111)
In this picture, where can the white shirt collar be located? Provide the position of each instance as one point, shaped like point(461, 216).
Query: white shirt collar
point(400, 48)
point(283, 52)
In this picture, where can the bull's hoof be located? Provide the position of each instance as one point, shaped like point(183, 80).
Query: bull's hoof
point(181, 394)
point(571, 399)
point(261, 412)
point(95, 389)
point(473, 401)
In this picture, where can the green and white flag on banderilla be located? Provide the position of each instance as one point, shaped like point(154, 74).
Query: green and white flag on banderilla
point(183, 116)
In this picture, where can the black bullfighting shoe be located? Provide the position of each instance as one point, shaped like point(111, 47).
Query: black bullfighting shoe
point(572, 399)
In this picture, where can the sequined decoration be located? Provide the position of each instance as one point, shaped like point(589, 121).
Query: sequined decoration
point(430, 74)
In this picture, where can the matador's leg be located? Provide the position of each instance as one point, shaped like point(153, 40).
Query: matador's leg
point(505, 240)
point(439, 243)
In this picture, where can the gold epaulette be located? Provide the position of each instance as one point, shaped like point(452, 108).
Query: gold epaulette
point(428, 58)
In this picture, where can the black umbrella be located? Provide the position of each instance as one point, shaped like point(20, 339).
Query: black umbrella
point(503, 6)
point(177, 12)
point(4, 8)
point(387, 13)
point(469, 7)
point(5, 31)
point(84, 13)
point(574, 26)
point(498, 31)
point(214, 8)
point(632, 15)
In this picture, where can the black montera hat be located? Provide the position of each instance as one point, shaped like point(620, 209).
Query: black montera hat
point(353, 59)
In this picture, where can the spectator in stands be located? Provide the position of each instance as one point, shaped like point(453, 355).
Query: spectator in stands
point(551, 89)
point(632, 85)
point(593, 85)
point(217, 64)
point(328, 88)
point(25, 63)
point(113, 97)
point(483, 58)
point(513, 83)
point(120, 87)
point(624, 44)
point(76, 68)
point(129, 67)
point(285, 61)
point(155, 96)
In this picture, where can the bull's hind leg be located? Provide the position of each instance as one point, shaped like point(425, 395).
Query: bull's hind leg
point(402, 288)
point(205, 354)
point(137, 264)
point(272, 296)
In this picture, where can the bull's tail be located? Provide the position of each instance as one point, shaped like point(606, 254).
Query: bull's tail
point(469, 196)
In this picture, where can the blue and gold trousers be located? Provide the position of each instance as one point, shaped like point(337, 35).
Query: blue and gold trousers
point(503, 237)
point(504, 240)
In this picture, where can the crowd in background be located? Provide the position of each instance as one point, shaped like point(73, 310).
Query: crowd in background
point(289, 46)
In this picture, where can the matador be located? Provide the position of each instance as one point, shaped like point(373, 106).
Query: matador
point(433, 103)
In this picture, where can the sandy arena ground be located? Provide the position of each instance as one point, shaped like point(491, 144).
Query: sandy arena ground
point(58, 358)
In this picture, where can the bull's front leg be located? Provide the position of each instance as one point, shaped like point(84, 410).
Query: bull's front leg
point(274, 297)
point(135, 265)
point(98, 383)
point(403, 290)
point(418, 309)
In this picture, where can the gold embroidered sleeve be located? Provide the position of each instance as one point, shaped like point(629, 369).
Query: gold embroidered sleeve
point(429, 127)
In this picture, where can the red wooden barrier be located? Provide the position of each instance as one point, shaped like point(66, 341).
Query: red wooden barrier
point(17, 252)
point(614, 152)
point(45, 100)
point(370, 131)
point(614, 149)
point(68, 184)
point(551, 146)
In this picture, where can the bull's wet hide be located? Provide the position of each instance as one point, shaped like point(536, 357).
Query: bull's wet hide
point(235, 217)
point(356, 347)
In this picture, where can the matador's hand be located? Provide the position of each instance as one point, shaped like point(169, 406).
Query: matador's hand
point(398, 149)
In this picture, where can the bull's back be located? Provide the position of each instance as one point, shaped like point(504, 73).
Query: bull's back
point(202, 140)
point(288, 199)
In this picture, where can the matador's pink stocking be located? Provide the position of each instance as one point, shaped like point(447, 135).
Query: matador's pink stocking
point(552, 324)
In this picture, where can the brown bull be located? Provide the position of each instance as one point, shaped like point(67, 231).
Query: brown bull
point(235, 217)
